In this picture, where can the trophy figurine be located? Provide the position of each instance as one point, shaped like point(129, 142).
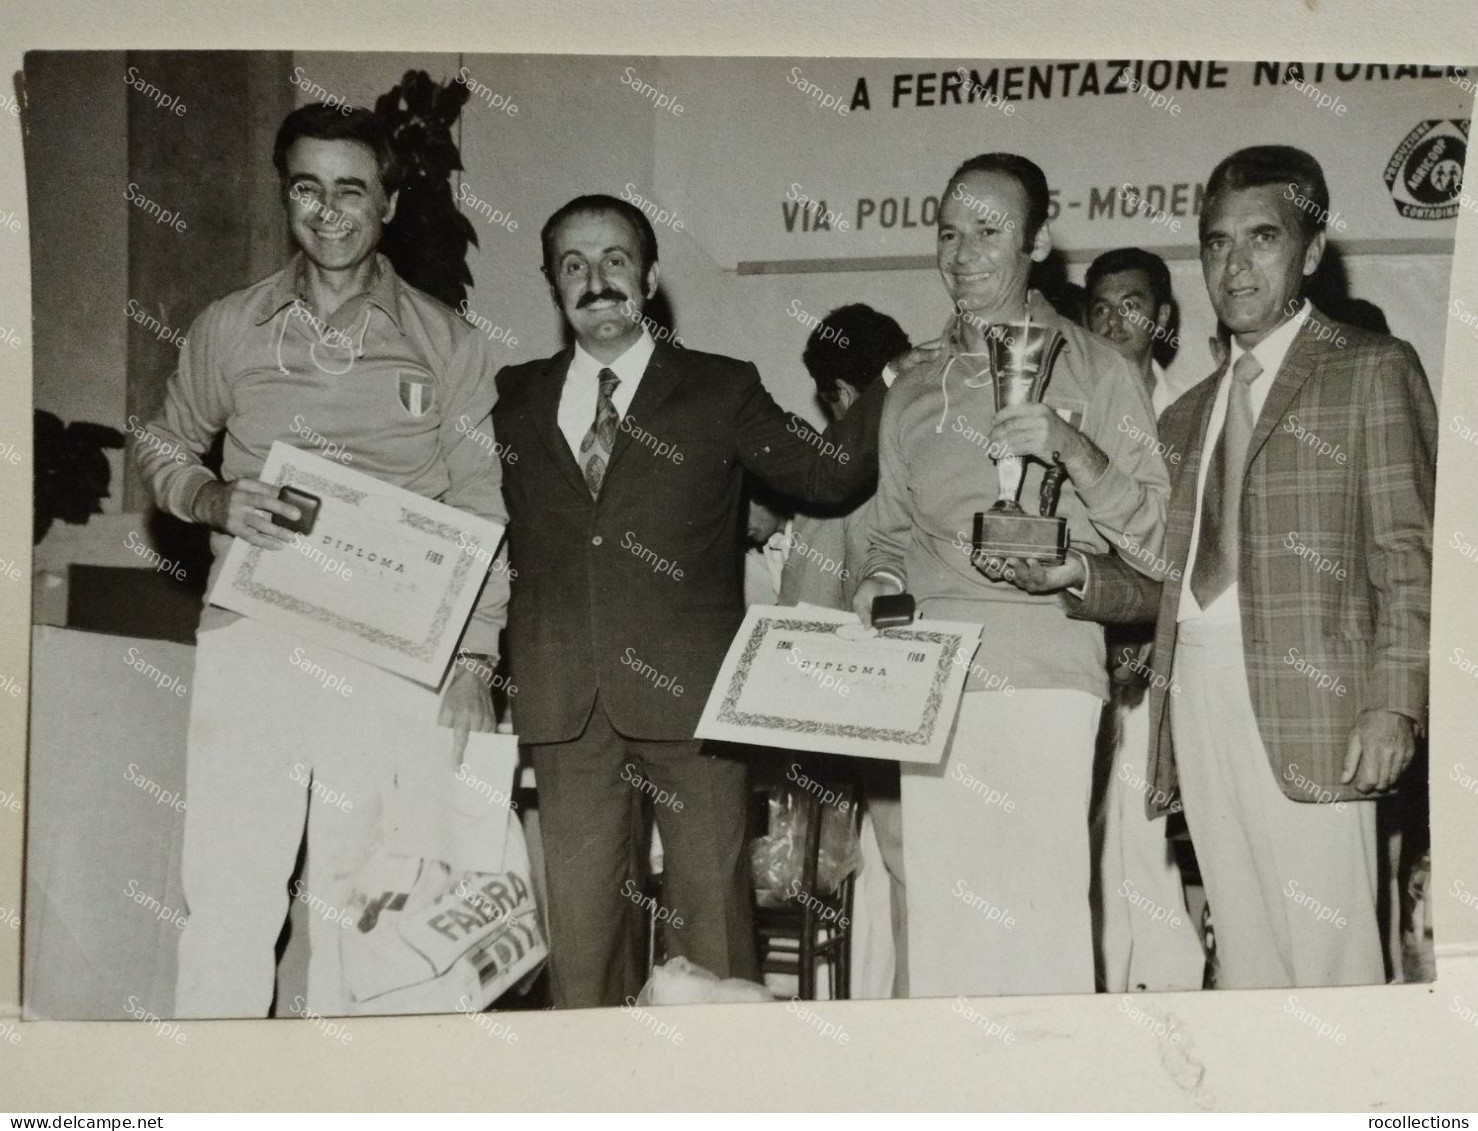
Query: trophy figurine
point(1021, 357)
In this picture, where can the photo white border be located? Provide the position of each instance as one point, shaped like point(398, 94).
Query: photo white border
point(1406, 1051)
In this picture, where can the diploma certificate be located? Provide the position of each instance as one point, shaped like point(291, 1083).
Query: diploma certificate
point(385, 575)
point(808, 678)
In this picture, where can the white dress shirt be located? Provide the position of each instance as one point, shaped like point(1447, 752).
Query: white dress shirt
point(1161, 398)
point(1270, 353)
point(764, 566)
point(582, 387)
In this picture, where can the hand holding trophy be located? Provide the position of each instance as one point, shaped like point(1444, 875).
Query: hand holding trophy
point(1021, 356)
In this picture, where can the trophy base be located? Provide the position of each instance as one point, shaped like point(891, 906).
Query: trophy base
point(1024, 536)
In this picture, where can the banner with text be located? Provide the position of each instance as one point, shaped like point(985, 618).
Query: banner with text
point(858, 151)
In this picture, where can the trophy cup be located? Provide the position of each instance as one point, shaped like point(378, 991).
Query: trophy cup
point(1021, 357)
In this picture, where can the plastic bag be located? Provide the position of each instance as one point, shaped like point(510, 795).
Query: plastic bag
point(680, 982)
point(777, 859)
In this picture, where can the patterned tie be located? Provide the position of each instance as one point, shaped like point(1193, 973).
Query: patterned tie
point(595, 448)
point(1216, 550)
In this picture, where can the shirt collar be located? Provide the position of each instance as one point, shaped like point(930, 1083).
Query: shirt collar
point(1271, 351)
point(286, 287)
point(1038, 309)
point(628, 367)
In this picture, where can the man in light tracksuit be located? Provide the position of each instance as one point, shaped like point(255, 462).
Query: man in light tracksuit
point(333, 353)
point(996, 837)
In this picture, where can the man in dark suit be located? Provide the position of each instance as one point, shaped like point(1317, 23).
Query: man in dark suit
point(623, 464)
point(1289, 675)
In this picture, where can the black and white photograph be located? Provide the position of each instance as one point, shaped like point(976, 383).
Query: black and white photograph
point(518, 532)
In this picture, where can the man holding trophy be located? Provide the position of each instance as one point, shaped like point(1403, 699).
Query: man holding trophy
point(1019, 404)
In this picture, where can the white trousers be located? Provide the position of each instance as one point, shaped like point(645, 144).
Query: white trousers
point(1292, 885)
point(995, 847)
point(878, 942)
point(274, 739)
point(1146, 940)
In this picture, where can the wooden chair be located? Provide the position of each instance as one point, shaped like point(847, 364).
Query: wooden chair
point(802, 933)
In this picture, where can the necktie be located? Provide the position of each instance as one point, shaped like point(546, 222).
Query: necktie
point(595, 448)
point(1216, 549)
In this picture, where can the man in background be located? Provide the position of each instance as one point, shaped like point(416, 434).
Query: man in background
point(767, 532)
point(845, 355)
point(1129, 302)
point(336, 344)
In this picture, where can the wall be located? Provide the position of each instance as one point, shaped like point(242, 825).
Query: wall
point(580, 128)
point(79, 226)
point(95, 134)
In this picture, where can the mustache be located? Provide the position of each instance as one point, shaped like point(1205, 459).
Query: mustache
point(607, 295)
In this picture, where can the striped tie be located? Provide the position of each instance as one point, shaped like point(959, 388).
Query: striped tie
point(1216, 549)
point(595, 448)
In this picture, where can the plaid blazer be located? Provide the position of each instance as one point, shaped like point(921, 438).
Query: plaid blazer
point(1335, 561)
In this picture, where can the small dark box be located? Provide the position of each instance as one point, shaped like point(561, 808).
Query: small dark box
point(307, 510)
point(893, 610)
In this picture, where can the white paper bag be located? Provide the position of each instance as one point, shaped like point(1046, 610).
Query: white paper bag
point(447, 919)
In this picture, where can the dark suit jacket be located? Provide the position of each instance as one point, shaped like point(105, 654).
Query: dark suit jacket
point(638, 595)
point(1363, 620)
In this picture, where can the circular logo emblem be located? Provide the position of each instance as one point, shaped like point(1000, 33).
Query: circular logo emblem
point(1425, 174)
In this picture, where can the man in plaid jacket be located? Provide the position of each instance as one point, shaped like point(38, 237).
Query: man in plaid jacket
point(1289, 676)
